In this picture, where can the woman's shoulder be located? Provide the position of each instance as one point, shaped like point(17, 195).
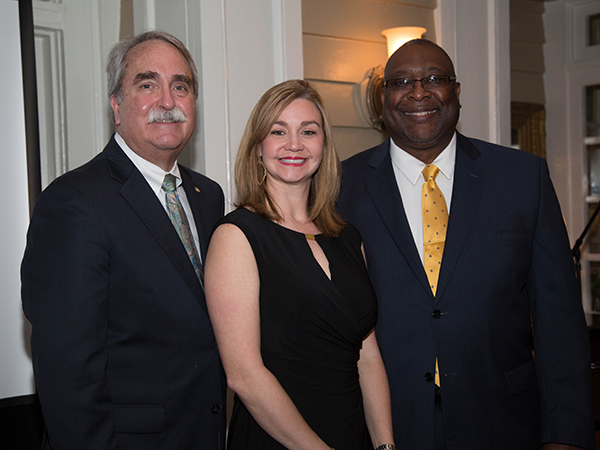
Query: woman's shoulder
point(232, 229)
point(351, 234)
point(250, 223)
point(240, 217)
point(234, 216)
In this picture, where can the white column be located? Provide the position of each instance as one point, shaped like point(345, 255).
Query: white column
point(476, 35)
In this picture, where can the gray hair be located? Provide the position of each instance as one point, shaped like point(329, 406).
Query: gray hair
point(117, 60)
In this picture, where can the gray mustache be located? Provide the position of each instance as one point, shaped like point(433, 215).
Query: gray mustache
point(164, 115)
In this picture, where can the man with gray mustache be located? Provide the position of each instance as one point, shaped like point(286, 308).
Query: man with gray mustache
point(112, 281)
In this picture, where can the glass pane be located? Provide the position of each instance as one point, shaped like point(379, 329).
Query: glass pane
point(593, 152)
point(594, 28)
point(595, 285)
point(593, 236)
point(514, 138)
point(592, 110)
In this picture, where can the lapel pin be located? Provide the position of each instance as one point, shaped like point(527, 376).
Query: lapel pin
point(197, 189)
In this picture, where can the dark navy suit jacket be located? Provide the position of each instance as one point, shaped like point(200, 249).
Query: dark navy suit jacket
point(506, 266)
point(123, 351)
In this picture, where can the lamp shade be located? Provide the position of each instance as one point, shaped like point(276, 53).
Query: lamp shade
point(396, 37)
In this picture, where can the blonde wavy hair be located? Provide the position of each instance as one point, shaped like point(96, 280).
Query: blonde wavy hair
point(325, 183)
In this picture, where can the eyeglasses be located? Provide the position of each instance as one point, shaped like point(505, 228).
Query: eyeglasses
point(429, 83)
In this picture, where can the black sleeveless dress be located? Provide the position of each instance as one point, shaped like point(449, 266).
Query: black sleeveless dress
point(311, 331)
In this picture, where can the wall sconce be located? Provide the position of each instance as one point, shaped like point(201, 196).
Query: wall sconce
point(367, 93)
point(396, 37)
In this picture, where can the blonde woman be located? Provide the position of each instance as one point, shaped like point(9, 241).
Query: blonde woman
point(288, 292)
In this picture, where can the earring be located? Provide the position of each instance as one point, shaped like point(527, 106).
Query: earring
point(264, 177)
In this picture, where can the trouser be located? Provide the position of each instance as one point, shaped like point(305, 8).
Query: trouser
point(438, 422)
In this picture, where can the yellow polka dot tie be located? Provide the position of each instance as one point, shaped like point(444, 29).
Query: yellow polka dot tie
point(435, 222)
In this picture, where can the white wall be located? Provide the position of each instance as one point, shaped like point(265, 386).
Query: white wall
point(476, 35)
point(527, 39)
point(72, 38)
point(16, 376)
point(259, 45)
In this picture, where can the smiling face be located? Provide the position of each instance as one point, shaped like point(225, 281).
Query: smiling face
point(293, 149)
point(157, 113)
point(421, 122)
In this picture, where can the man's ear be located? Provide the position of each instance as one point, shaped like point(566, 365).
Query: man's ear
point(457, 92)
point(114, 104)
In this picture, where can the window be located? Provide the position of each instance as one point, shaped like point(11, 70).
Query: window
point(591, 248)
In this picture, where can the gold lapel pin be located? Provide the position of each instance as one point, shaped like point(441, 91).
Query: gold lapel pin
point(197, 189)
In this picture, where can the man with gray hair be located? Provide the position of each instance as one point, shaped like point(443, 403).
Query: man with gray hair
point(123, 351)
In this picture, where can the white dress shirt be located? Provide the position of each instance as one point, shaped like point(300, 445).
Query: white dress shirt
point(409, 177)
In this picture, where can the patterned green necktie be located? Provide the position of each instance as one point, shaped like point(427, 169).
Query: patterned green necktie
point(181, 224)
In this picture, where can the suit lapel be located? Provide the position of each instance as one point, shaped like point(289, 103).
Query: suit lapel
point(380, 183)
point(468, 177)
point(138, 194)
point(196, 198)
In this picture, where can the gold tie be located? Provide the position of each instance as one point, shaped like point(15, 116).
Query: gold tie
point(435, 222)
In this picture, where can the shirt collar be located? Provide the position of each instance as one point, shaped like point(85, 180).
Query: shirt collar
point(412, 168)
point(153, 174)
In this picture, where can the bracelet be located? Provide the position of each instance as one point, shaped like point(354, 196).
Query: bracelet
point(386, 447)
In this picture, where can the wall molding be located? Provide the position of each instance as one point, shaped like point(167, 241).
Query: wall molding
point(50, 74)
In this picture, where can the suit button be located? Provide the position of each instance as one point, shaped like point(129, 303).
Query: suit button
point(437, 314)
point(429, 377)
point(215, 409)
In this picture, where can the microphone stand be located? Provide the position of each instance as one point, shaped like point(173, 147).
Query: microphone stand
point(576, 251)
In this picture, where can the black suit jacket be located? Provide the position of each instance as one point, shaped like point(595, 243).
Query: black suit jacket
point(506, 266)
point(123, 351)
